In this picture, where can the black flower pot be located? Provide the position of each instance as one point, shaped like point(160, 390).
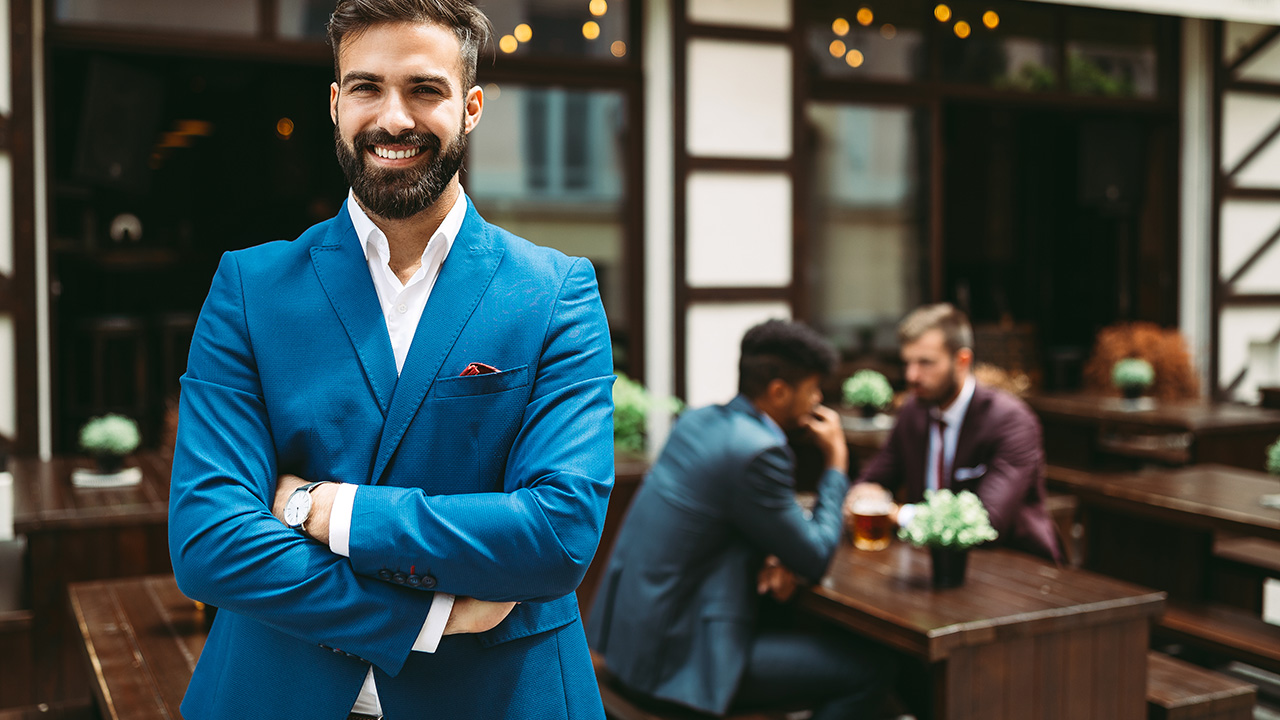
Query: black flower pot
point(868, 411)
point(1132, 392)
point(109, 463)
point(948, 566)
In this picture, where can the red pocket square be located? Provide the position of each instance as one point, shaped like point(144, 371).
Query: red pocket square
point(477, 368)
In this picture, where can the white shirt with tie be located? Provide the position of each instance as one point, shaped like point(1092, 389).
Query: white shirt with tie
point(402, 307)
point(942, 442)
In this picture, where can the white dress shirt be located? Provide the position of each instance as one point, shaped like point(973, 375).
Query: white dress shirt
point(944, 442)
point(402, 306)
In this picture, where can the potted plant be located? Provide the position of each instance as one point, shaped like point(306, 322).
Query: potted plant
point(869, 391)
point(949, 524)
point(631, 404)
point(1132, 376)
point(109, 439)
point(1273, 457)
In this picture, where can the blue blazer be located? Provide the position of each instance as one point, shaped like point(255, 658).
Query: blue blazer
point(491, 486)
point(677, 607)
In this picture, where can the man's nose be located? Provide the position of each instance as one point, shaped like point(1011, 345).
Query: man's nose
point(395, 117)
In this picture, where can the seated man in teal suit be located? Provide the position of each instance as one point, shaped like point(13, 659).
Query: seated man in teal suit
point(714, 525)
point(446, 383)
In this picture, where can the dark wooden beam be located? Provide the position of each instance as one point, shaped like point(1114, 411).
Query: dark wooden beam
point(22, 290)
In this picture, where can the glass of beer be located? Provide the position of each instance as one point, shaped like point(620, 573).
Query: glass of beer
point(871, 524)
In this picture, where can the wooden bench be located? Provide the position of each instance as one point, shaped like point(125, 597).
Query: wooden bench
point(1177, 690)
point(623, 704)
point(15, 627)
point(1225, 630)
point(1240, 569)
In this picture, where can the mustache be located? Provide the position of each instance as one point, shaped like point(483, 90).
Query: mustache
point(377, 136)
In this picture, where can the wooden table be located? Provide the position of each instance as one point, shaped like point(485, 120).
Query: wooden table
point(1093, 432)
point(141, 638)
point(1020, 639)
point(1158, 526)
point(76, 534)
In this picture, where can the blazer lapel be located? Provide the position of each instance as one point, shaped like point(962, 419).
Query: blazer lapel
point(969, 429)
point(344, 275)
point(463, 280)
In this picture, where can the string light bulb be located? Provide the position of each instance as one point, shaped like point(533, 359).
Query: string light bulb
point(865, 16)
point(508, 44)
point(990, 19)
point(888, 31)
point(598, 7)
point(618, 48)
point(840, 26)
point(854, 58)
point(524, 33)
point(591, 30)
point(963, 29)
point(837, 48)
point(942, 13)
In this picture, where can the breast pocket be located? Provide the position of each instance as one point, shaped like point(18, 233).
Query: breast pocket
point(487, 384)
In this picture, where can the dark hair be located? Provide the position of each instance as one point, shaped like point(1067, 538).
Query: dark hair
point(957, 334)
point(782, 350)
point(353, 17)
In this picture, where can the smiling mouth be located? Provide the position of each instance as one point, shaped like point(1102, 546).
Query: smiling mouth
point(389, 154)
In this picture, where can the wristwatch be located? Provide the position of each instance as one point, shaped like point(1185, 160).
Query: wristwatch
point(298, 507)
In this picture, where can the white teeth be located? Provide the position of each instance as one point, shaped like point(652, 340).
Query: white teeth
point(395, 154)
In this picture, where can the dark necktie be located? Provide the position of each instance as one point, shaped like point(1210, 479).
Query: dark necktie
point(942, 451)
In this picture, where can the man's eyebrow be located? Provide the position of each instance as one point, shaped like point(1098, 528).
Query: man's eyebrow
point(432, 79)
point(359, 75)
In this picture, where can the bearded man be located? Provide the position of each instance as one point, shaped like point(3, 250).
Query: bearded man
point(953, 433)
point(395, 448)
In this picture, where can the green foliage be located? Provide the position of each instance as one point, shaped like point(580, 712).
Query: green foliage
point(110, 435)
point(631, 403)
point(868, 387)
point(1084, 76)
point(1030, 77)
point(949, 519)
point(1273, 458)
point(1132, 372)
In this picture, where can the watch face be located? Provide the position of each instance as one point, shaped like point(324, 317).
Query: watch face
point(297, 507)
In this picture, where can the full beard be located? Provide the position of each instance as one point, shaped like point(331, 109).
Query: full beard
point(396, 194)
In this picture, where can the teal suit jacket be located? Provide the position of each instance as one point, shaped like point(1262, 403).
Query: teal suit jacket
point(491, 486)
point(677, 607)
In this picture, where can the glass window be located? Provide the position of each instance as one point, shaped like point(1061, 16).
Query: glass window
point(197, 16)
point(299, 19)
point(1010, 46)
point(1112, 54)
point(548, 165)
point(871, 41)
point(597, 29)
point(868, 241)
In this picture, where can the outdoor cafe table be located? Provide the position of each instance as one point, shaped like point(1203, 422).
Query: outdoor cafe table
point(76, 534)
point(1021, 638)
point(1094, 432)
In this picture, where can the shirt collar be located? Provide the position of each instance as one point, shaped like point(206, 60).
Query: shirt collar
point(368, 233)
point(954, 415)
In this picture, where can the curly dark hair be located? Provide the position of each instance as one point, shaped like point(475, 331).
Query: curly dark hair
point(785, 350)
point(472, 27)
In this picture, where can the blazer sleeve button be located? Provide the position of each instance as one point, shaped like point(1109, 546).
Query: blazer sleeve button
point(398, 578)
point(414, 581)
point(385, 574)
point(428, 582)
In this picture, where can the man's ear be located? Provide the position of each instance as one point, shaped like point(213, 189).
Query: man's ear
point(333, 102)
point(474, 109)
point(964, 360)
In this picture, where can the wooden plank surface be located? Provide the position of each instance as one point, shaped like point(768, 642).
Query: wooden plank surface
point(44, 499)
point(1212, 497)
point(887, 595)
point(141, 638)
point(1202, 418)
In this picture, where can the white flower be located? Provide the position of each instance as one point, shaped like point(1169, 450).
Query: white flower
point(949, 519)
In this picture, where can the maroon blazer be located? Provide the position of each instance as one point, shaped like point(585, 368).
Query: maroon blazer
point(999, 456)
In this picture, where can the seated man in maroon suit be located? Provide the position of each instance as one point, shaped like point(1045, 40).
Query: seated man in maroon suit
point(953, 433)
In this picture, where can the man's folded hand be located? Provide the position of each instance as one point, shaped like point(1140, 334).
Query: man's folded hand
point(470, 615)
